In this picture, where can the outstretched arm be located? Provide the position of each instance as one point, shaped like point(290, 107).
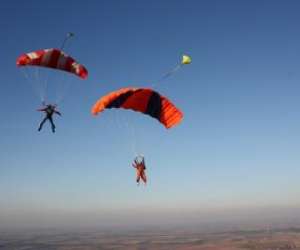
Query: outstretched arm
point(57, 112)
point(42, 109)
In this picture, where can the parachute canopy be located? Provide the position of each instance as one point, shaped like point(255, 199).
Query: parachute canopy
point(186, 59)
point(53, 58)
point(143, 100)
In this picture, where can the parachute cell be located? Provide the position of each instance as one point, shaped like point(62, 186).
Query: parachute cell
point(143, 100)
point(53, 58)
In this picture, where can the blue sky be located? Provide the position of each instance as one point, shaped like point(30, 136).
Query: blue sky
point(237, 146)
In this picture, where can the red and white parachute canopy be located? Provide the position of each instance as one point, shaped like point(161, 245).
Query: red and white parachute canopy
point(53, 58)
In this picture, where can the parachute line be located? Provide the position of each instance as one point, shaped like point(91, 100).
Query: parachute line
point(184, 61)
point(68, 36)
point(34, 86)
point(167, 75)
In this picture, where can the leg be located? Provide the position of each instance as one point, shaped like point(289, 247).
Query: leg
point(42, 123)
point(138, 177)
point(144, 178)
point(52, 124)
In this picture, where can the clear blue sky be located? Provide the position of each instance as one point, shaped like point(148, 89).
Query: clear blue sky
point(237, 146)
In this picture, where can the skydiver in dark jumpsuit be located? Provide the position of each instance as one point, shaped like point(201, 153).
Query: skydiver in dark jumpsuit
point(49, 111)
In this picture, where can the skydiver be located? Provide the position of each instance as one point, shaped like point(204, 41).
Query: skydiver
point(140, 166)
point(49, 110)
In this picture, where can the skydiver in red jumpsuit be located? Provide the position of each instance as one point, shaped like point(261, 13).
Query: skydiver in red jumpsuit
point(139, 165)
point(49, 110)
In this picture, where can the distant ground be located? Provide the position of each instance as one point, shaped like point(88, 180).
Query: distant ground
point(282, 239)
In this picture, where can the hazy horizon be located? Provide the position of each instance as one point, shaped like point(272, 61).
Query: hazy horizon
point(210, 221)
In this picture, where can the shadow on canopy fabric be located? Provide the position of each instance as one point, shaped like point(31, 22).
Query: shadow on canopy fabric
point(143, 100)
point(53, 58)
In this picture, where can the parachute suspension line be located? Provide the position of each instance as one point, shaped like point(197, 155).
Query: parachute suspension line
point(116, 120)
point(38, 83)
point(33, 84)
point(122, 121)
point(134, 141)
point(119, 119)
point(111, 121)
point(184, 61)
point(63, 84)
point(166, 75)
point(63, 91)
point(42, 78)
point(68, 36)
point(171, 72)
point(132, 133)
point(43, 82)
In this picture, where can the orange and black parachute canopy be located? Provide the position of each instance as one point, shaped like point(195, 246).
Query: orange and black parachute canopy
point(143, 100)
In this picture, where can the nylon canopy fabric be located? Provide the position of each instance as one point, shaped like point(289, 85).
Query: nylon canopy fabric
point(144, 100)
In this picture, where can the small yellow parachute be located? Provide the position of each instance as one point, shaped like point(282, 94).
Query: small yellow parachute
point(186, 59)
